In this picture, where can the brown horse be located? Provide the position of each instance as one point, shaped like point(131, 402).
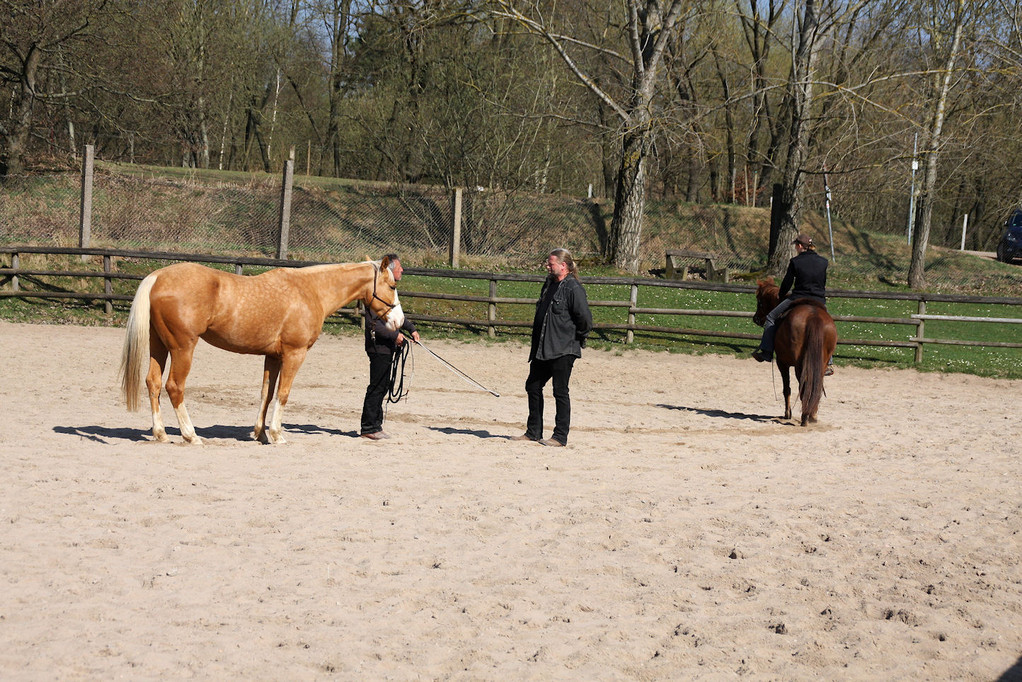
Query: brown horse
point(278, 314)
point(806, 339)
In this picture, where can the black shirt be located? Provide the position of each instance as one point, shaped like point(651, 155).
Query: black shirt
point(808, 273)
point(541, 310)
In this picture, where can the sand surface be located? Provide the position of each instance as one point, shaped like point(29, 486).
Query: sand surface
point(685, 533)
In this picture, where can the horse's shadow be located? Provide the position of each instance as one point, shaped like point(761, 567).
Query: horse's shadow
point(719, 414)
point(104, 434)
point(478, 433)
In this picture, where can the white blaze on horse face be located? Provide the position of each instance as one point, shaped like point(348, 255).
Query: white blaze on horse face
point(396, 316)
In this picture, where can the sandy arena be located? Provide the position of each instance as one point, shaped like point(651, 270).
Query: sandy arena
point(685, 533)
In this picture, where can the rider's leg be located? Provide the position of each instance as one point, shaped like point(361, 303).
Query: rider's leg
point(766, 344)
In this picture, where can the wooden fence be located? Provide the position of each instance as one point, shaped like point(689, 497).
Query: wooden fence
point(9, 276)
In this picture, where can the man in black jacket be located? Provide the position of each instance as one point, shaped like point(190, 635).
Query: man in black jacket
point(807, 273)
point(559, 332)
point(381, 344)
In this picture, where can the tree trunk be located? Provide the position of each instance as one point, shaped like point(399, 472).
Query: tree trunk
point(649, 26)
point(729, 128)
point(924, 205)
point(12, 154)
point(630, 201)
point(800, 99)
point(608, 151)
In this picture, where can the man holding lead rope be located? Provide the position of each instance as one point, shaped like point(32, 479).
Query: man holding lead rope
point(381, 344)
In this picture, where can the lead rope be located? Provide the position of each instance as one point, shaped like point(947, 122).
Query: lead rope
point(773, 378)
point(397, 389)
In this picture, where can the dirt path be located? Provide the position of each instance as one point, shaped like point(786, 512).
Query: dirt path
point(685, 533)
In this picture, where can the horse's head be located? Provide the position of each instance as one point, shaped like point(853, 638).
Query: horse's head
point(766, 299)
point(383, 300)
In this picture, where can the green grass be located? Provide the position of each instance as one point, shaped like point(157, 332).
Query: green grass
point(984, 361)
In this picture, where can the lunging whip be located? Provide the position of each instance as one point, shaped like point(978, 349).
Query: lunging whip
point(457, 371)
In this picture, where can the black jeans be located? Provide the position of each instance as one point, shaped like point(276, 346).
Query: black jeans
point(376, 391)
point(540, 372)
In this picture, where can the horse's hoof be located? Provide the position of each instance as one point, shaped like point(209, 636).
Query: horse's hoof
point(194, 440)
point(161, 437)
point(276, 438)
point(259, 436)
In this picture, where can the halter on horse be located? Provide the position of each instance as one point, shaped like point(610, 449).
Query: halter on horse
point(278, 314)
point(806, 339)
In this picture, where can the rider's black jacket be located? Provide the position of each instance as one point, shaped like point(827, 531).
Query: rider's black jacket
point(808, 273)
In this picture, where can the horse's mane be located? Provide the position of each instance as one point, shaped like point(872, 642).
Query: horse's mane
point(765, 285)
point(338, 266)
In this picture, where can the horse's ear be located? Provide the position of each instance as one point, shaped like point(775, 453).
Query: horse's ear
point(384, 263)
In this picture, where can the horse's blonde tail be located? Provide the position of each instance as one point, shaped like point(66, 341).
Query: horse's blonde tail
point(135, 354)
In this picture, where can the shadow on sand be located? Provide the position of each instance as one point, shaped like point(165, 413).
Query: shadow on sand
point(468, 432)
point(105, 434)
point(720, 414)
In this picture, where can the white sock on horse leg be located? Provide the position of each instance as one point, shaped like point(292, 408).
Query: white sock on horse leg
point(185, 422)
point(159, 430)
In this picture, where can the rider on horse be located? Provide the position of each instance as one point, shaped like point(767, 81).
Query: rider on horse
point(807, 271)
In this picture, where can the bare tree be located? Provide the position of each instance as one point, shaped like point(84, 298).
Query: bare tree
point(758, 29)
point(814, 23)
point(945, 36)
point(648, 25)
point(31, 36)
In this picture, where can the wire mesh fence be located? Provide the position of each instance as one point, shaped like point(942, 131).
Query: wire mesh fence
point(351, 220)
point(343, 221)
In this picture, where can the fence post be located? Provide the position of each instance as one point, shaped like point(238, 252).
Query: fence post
point(633, 300)
point(455, 250)
point(15, 264)
point(920, 329)
point(284, 223)
point(108, 287)
point(85, 213)
point(491, 314)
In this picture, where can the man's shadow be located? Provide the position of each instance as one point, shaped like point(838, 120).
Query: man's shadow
point(719, 414)
point(478, 433)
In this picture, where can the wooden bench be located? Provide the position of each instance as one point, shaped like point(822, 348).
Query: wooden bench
point(677, 267)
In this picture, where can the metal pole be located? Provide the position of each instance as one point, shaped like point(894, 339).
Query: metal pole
point(965, 223)
point(830, 228)
point(912, 196)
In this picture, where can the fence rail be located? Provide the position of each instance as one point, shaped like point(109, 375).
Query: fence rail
point(10, 276)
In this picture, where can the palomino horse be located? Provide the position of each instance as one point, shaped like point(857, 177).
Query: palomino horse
point(278, 314)
point(806, 339)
